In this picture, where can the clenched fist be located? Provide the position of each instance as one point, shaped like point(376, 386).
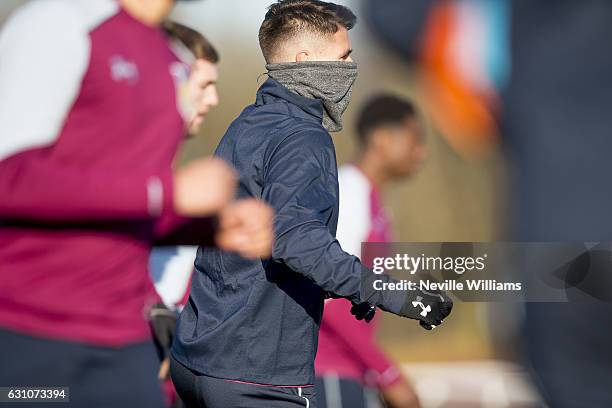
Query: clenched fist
point(246, 227)
point(429, 308)
point(203, 187)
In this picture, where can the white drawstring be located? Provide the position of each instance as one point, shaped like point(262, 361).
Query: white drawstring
point(300, 394)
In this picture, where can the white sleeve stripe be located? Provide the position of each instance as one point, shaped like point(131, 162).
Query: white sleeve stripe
point(155, 196)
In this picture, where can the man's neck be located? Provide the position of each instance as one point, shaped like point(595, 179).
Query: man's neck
point(373, 170)
point(144, 12)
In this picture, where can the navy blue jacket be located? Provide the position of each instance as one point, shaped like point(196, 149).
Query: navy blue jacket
point(258, 321)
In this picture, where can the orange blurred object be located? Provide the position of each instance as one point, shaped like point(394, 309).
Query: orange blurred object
point(463, 114)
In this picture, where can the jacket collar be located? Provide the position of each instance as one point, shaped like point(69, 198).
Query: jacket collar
point(271, 91)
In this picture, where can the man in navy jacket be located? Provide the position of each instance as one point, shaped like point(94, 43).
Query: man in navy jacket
point(249, 332)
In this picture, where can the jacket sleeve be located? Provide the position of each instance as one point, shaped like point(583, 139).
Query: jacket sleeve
point(295, 186)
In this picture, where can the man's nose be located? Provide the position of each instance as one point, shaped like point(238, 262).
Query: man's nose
point(213, 98)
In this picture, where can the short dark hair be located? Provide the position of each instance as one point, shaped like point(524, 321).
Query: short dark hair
point(382, 111)
point(287, 18)
point(193, 40)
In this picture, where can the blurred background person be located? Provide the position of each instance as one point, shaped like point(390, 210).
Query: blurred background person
point(87, 187)
point(557, 125)
point(350, 365)
point(202, 96)
point(172, 267)
point(195, 49)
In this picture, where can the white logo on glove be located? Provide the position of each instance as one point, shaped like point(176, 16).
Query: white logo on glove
point(424, 309)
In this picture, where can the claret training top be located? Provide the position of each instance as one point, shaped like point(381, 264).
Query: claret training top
point(89, 127)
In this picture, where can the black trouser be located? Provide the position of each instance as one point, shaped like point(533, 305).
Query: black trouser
point(97, 376)
point(201, 391)
point(335, 392)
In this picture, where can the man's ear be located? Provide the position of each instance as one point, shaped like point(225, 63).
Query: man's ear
point(302, 56)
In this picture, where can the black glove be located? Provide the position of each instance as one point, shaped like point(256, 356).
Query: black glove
point(429, 308)
point(363, 311)
point(163, 323)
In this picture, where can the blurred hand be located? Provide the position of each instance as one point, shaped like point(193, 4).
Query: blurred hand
point(203, 187)
point(164, 370)
point(401, 395)
point(246, 227)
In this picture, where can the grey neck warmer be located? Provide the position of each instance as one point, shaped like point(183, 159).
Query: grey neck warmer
point(329, 81)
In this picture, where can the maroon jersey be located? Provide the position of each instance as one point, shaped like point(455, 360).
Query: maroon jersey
point(87, 139)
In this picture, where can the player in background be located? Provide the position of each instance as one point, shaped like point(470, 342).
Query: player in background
point(349, 363)
point(89, 128)
point(197, 51)
point(172, 266)
point(248, 335)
